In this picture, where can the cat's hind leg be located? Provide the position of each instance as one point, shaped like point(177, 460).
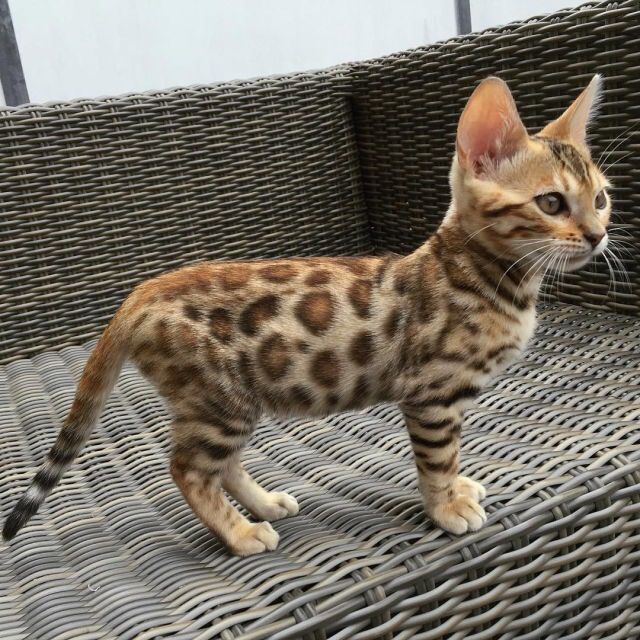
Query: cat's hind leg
point(203, 454)
point(263, 504)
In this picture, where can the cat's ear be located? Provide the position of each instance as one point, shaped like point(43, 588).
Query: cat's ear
point(490, 129)
point(572, 124)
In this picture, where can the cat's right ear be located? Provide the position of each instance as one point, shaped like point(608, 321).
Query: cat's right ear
point(572, 124)
point(490, 129)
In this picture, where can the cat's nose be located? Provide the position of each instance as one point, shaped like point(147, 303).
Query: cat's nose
point(593, 238)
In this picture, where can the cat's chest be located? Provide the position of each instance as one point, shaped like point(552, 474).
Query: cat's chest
point(502, 343)
point(483, 344)
point(526, 327)
point(468, 347)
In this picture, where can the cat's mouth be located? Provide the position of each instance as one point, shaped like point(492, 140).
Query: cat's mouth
point(581, 259)
point(573, 263)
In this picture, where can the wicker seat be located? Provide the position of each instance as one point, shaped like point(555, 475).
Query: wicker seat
point(98, 194)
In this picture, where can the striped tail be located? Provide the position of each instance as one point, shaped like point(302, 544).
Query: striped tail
point(97, 381)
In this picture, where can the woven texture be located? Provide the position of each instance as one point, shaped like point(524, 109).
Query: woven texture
point(98, 195)
point(118, 554)
point(407, 108)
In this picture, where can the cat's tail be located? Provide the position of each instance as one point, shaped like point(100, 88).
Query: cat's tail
point(97, 381)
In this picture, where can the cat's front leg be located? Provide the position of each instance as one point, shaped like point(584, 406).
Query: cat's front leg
point(451, 501)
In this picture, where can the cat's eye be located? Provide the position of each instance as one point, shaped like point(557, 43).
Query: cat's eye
point(551, 203)
point(601, 199)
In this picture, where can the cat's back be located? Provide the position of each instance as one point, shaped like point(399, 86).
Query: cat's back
point(309, 334)
point(316, 290)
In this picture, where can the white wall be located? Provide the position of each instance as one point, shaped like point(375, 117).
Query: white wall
point(491, 13)
point(73, 48)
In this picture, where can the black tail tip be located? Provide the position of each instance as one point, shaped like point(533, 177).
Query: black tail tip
point(11, 527)
point(21, 514)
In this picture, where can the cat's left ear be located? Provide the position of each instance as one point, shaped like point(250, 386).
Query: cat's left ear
point(572, 124)
point(490, 129)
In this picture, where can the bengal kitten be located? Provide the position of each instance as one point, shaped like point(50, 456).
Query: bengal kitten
point(226, 341)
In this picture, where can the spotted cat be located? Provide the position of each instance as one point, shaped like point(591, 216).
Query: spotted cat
point(226, 341)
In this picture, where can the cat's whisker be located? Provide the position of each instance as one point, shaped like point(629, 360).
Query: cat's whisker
point(504, 275)
point(504, 253)
point(475, 233)
point(538, 266)
point(551, 267)
point(618, 160)
point(615, 208)
point(612, 279)
point(561, 272)
point(553, 287)
point(620, 225)
point(617, 262)
point(543, 288)
point(626, 249)
point(619, 246)
point(620, 215)
point(552, 262)
point(628, 240)
point(623, 234)
point(628, 129)
point(624, 239)
point(621, 268)
point(539, 260)
point(618, 141)
point(525, 243)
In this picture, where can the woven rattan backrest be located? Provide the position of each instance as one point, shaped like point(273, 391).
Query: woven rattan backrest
point(97, 195)
point(407, 107)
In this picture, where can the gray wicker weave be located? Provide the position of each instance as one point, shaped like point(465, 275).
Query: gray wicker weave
point(96, 195)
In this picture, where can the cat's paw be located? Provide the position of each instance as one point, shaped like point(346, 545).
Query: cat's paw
point(280, 505)
point(458, 515)
point(252, 538)
point(468, 487)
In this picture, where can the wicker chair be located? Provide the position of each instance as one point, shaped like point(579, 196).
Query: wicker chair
point(98, 194)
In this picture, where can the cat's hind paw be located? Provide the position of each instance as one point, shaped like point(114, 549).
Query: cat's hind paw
point(252, 538)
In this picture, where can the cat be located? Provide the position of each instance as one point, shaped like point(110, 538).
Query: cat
point(226, 341)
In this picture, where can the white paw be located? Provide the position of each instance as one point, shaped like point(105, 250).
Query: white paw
point(468, 487)
point(458, 515)
point(280, 505)
point(254, 538)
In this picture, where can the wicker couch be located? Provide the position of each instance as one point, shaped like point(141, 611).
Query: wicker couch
point(96, 195)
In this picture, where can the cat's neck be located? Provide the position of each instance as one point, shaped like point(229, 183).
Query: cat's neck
point(522, 279)
point(525, 274)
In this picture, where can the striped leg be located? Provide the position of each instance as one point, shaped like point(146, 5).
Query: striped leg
point(262, 504)
point(451, 501)
point(202, 456)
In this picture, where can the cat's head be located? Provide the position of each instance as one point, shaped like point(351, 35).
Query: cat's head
point(529, 197)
